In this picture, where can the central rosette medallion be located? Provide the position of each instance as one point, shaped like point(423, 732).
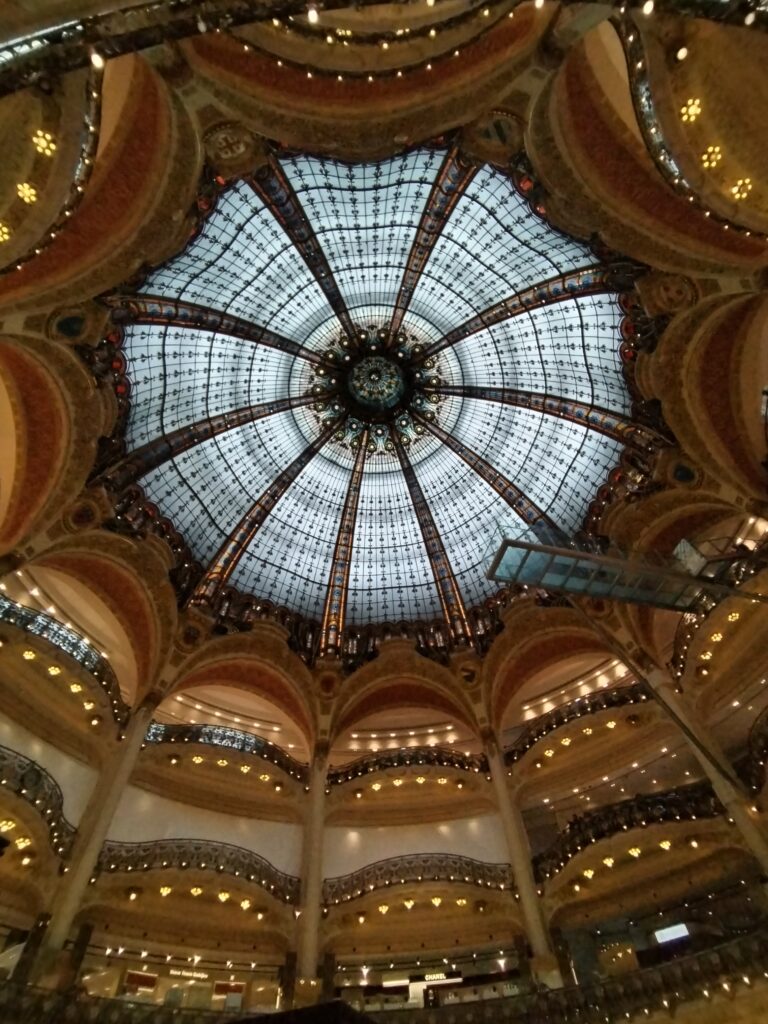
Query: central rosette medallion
point(376, 385)
point(376, 382)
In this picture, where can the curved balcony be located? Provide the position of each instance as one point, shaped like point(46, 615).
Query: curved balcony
point(729, 966)
point(71, 643)
point(420, 867)
point(733, 572)
point(619, 697)
point(688, 803)
point(230, 739)
point(405, 757)
point(200, 855)
point(32, 783)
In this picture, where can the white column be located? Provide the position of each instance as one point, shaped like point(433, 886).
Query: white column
point(91, 833)
point(308, 934)
point(715, 764)
point(544, 965)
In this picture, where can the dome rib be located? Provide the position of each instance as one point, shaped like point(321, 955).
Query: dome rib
point(520, 503)
point(589, 281)
point(154, 309)
point(276, 192)
point(154, 453)
point(335, 609)
point(594, 417)
point(454, 612)
point(230, 552)
point(449, 186)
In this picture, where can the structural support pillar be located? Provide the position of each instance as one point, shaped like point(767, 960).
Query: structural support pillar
point(308, 936)
point(91, 833)
point(715, 764)
point(544, 965)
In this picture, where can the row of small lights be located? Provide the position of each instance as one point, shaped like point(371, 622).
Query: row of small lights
point(133, 893)
point(54, 670)
point(22, 843)
point(410, 903)
point(419, 780)
point(47, 811)
point(689, 112)
point(45, 144)
point(313, 16)
point(633, 851)
point(712, 155)
point(194, 958)
point(222, 762)
point(552, 724)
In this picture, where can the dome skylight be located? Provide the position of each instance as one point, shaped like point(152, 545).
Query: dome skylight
point(353, 372)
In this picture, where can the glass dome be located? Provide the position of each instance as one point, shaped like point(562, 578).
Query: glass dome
point(353, 372)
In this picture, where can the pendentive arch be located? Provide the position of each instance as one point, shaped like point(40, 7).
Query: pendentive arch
point(51, 416)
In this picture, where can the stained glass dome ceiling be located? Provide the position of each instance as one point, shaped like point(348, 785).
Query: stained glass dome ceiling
point(352, 373)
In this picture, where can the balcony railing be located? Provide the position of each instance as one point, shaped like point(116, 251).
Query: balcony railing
point(728, 968)
point(405, 757)
point(687, 803)
point(422, 867)
point(71, 643)
point(231, 739)
point(30, 781)
point(200, 855)
point(592, 703)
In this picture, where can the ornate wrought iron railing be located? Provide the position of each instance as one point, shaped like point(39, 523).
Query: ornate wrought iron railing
point(752, 769)
point(32, 783)
point(592, 703)
point(730, 967)
point(419, 867)
point(647, 119)
point(405, 757)
point(230, 739)
point(71, 643)
point(734, 572)
point(199, 854)
point(686, 803)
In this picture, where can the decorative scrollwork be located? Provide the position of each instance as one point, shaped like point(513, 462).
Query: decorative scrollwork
point(199, 854)
point(71, 643)
point(32, 783)
point(420, 867)
point(231, 739)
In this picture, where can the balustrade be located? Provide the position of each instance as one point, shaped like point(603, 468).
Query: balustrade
point(422, 867)
point(71, 643)
point(32, 783)
point(199, 854)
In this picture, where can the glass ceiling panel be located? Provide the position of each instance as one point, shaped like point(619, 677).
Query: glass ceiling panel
point(163, 360)
point(566, 349)
point(493, 246)
point(366, 217)
point(243, 263)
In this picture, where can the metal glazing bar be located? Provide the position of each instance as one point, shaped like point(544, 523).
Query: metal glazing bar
point(276, 192)
point(454, 612)
point(335, 608)
point(587, 281)
point(612, 424)
point(451, 182)
point(517, 500)
point(233, 548)
point(154, 309)
point(154, 453)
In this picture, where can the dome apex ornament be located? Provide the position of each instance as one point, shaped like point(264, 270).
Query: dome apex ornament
point(373, 383)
